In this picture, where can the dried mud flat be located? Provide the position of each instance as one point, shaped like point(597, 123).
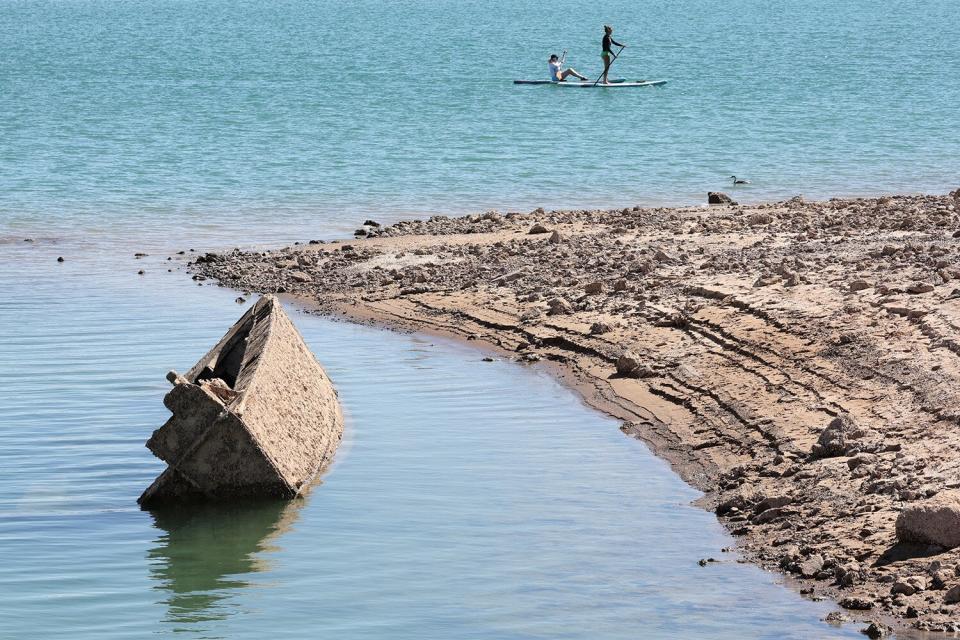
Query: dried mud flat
point(797, 361)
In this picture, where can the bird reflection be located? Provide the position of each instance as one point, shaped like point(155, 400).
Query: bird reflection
point(207, 551)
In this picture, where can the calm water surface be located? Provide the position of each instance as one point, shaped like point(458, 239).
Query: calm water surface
point(173, 116)
point(470, 499)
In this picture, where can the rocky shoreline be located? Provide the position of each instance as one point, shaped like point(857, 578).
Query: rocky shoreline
point(797, 361)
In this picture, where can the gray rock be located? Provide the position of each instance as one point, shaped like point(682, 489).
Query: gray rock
point(598, 328)
point(513, 275)
point(559, 307)
point(663, 257)
point(538, 228)
point(856, 604)
point(718, 197)
point(859, 285)
point(920, 287)
point(628, 364)
point(735, 503)
point(934, 521)
point(938, 581)
point(835, 439)
point(811, 566)
point(772, 502)
point(759, 218)
point(876, 630)
point(860, 459)
point(952, 596)
point(771, 515)
point(593, 287)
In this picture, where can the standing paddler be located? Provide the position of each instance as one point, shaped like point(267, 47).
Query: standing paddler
point(607, 51)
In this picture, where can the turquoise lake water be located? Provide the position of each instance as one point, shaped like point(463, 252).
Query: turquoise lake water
point(471, 499)
point(244, 115)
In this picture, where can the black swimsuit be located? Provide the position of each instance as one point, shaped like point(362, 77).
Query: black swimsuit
point(607, 41)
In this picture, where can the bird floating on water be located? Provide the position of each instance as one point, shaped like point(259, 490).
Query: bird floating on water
point(736, 181)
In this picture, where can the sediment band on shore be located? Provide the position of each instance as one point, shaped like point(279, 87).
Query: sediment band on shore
point(799, 362)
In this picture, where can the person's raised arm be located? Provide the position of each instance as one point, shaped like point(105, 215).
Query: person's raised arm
point(612, 41)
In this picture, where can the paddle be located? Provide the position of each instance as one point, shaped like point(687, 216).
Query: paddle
point(615, 56)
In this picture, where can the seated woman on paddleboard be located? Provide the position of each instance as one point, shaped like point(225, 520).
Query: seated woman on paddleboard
point(607, 54)
point(558, 73)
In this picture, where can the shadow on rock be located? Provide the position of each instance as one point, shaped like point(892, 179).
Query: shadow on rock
point(905, 551)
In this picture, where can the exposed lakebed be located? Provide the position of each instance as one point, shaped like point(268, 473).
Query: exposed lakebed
point(470, 499)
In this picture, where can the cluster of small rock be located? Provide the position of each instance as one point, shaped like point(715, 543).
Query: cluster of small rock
point(902, 582)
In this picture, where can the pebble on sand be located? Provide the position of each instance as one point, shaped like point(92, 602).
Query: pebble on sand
point(859, 285)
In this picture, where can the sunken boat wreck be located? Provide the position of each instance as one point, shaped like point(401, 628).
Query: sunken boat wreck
point(256, 417)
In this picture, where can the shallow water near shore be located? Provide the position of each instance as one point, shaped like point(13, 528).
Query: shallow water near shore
point(469, 499)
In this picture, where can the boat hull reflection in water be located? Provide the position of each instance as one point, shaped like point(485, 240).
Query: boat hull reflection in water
point(208, 550)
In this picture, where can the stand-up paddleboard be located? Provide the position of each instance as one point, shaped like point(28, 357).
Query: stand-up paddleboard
point(555, 82)
point(614, 84)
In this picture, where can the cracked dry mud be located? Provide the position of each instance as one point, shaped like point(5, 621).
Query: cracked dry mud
point(729, 339)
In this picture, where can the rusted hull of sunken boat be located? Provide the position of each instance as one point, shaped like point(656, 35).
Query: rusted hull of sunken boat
point(255, 417)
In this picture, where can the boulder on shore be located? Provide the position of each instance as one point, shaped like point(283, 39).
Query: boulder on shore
point(559, 307)
point(629, 366)
point(718, 197)
point(836, 439)
point(934, 521)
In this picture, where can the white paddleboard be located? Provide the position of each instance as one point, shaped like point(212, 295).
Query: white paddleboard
point(555, 82)
point(599, 85)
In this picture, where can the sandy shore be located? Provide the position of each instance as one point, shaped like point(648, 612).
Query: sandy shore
point(728, 339)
